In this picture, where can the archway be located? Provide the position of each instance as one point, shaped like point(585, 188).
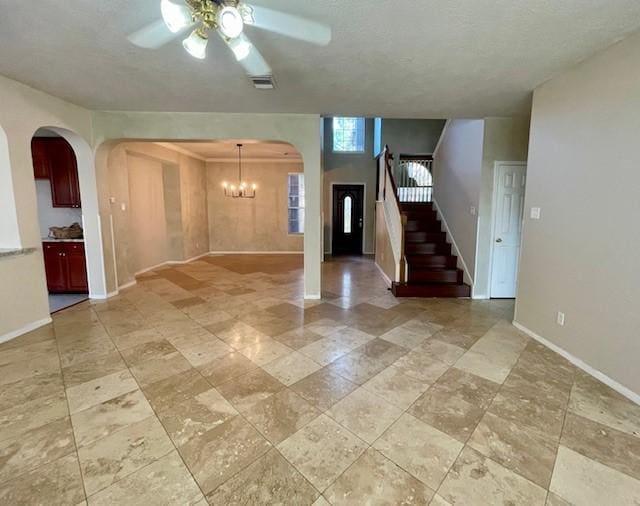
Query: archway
point(89, 211)
point(9, 232)
point(156, 199)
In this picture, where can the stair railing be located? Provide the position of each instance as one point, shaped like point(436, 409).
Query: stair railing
point(413, 178)
point(395, 219)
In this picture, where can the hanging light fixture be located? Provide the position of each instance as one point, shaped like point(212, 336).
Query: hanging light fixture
point(241, 189)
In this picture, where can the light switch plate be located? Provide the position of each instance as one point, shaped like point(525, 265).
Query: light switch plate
point(535, 213)
point(560, 318)
point(472, 210)
point(123, 206)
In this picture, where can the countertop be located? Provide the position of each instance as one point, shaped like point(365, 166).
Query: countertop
point(9, 252)
point(51, 239)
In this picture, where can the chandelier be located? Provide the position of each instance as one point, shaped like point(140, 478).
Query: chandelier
point(241, 190)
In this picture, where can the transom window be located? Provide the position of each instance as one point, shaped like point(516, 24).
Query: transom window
point(295, 185)
point(348, 135)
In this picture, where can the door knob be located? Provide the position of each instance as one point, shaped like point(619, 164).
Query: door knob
point(498, 240)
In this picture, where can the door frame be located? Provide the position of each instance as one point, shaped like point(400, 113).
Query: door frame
point(364, 212)
point(494, 200)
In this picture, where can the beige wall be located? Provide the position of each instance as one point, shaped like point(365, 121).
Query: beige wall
point(195, 221)
point(258, 224)
point(507, 140)
point(350, 168)
point(23, 292)
point(384, 251)
point(165, 214)
point(411, 136)
point(147, 218)
point(581, 257)
point(457, 172)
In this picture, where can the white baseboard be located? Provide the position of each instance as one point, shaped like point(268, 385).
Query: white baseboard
point(23, 330)
point(256, 253)
point(450, 237)
point(127, 285)
point(192, 259)
point(480, 296)
point(313, 296)
point(621, 389)
point(386, 278)
point(102, 296)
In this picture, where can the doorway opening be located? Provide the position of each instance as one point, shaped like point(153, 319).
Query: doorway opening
point(508, 207)
point(55, 169)
point(347, 219)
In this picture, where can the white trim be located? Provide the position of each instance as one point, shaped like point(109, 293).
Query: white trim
point(179, 149)
point(107, 296)
point(364, 213)
point(480, 296)
point(450, 237)
point(256, 253)
point(23, 330)
point(255, 160)
point(127, 285)
point(386, 278)
point(313, 296)
point(192, 259)
point(621, 389)
point(444, 130)
point(494, 195)
point(114, 253)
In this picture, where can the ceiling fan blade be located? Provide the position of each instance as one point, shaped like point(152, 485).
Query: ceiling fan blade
point(247, 55)
point(285, 24)
point(153, 36)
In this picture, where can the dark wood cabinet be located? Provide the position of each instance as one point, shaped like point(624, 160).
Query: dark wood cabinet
point(40, 158)
point(66, 267)
point(54, 159)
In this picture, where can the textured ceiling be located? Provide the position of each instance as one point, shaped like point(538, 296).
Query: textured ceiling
point(228, 150)
point(392, 58)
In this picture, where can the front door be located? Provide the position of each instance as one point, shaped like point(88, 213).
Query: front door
point(507, 228)
point(347, 219)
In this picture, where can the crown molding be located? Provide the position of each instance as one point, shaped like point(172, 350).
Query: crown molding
point(181, 150)
point(254, 160)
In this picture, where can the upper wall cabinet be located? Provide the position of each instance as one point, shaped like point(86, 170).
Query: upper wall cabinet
point(54, 159)
point(40, 158)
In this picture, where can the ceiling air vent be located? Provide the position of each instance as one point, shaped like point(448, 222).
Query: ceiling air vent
point(263, 82)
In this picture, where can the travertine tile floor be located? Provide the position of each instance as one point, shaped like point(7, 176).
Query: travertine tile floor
point(215, 382)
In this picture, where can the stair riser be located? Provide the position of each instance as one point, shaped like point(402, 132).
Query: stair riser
point(431, 290)
point(425, 237)
point(423, 226)
point(438, 261)
point(426, 276)
point(427, 249)
point(423, 216)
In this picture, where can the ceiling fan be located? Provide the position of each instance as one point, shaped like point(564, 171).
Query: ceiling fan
point(228, 18)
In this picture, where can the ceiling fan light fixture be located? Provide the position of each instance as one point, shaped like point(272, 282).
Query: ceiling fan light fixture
point(230, 22)
point(176, 17)
point(196, 44)
point(241, 47)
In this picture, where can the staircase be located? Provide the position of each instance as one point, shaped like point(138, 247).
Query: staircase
point(425, 266)
point(431, 268)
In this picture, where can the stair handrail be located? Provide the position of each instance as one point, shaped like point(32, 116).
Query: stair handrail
point(396, 220)
point(410, 184)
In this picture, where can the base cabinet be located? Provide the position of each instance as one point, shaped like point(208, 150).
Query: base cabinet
point(66, 267)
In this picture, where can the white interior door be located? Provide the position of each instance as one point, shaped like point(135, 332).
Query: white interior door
point(508, 207)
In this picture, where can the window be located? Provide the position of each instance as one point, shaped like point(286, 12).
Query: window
point(348, 135)
point(347, 215)
point(296, 203)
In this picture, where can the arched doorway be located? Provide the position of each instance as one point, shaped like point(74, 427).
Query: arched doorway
point(9, 232)
point(67, 194)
